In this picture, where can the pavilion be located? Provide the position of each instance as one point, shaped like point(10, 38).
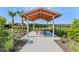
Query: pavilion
point(40, 13)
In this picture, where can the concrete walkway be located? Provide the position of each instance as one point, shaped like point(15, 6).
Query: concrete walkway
point(40, 44)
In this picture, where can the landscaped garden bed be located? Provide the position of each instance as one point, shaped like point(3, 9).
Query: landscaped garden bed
point(19, 44)
point(70, 42)
point(10, 39)
point(63, 45)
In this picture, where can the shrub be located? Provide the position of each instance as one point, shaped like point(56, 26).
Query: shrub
point(74, 46)
point(2, 21)
point(73, 35)
point(7, 38)
point(73, 31)
point(9, 45)
point(3, 31)
point(60, 32)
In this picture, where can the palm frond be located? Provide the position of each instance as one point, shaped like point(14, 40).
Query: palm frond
point(12, 14)
point(20, 12)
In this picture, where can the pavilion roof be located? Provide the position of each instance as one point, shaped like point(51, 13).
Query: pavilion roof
point(41, 13)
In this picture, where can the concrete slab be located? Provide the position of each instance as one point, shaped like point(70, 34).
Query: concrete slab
point(41, 44)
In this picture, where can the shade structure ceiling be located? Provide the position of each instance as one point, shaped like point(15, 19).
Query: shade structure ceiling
point(41, 13)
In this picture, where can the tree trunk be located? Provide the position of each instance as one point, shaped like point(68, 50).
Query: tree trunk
point(12, 22)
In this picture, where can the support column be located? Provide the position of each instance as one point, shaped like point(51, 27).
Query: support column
point(22, 24)
point(33, 26)
point(53, 26)
point(27, 26)
point(47, 25)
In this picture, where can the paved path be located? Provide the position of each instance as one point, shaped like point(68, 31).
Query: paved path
point(41, 44)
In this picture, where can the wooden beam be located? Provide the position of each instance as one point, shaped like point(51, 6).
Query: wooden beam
point(52, 17)
point(34, 13)
point(47, 13)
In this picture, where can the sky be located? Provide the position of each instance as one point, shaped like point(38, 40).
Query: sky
point(69, 14)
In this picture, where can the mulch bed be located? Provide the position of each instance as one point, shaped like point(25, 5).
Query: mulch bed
point(63, 45)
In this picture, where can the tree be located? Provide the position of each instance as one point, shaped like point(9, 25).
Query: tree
point(73, 31)
point(12, 15)
point(19, 13)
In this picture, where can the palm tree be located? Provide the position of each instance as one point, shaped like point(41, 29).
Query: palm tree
point(19, 13)
point(12, 15)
